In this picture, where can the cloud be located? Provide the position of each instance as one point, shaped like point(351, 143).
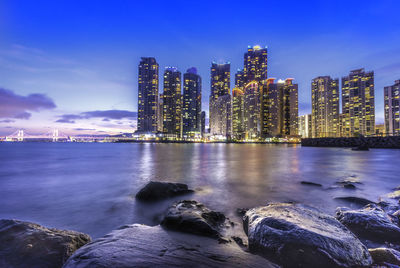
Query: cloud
point(7, 121)
point(107, 115)
point(18, 106)
point(80, 129)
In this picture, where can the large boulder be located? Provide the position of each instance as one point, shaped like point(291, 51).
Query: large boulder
point(25, 244)
point(293, 235)
point(193, 217)
point(156, 190)
point(144, 246)
point(385, 256)
point(370, 222)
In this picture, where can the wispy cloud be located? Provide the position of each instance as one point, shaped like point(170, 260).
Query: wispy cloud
point(18, 106)
point(106, 115)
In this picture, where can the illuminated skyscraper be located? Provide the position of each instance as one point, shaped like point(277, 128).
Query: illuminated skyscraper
point(220, 86)
point(254, 78)
point(358, 103)
point(148, 95)
point(325, 107)
point(279, 109)
point(172, 102)
point(392, 109)
point(191, 113)
point(203, 123)
point(223, 116)
point(160, 114)
point(237, 114)
point(305, 126)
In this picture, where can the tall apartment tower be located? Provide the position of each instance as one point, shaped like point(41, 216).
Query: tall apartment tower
point(147, 95)
point(358, 103)
point(220, 86)
point(392, 109)
point(191, 112)
point(223, 116)
point(237, 114)
point(279, 109)
point(305, 126)
point(325, 107)
point(203, 123)
point(172, 102)
point(254, 78)
point(160, 114)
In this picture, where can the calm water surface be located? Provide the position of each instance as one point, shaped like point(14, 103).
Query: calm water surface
point(90, 187)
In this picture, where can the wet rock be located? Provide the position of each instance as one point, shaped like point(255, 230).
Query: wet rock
point(370, 222)
point(25, 244)
point(156, 190)
point(356, 200)
point(144, 246)
point(346, 185)
point(385, 256)
point(293, 235)
point(193, 217)
point(309, 183)
point(394, 195)
point(241, 211)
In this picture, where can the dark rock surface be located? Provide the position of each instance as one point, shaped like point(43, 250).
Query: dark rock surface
point(293, 235)
point(25, 244)
point(144, 246)
point(356, 200)
point(156, 190)
point(311, 183)
point(370, 222)
point(193, 217)
point(385, 256)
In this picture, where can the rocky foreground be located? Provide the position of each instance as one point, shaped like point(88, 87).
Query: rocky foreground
point(192, 235)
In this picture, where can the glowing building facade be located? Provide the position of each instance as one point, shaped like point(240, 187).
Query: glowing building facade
point(392, 109)
point(305, 126)
point(172, 102)
point(325, 107)
point(147, 95)
point(220, 86)
point(237, 114)
point(223, 116)
point(191, 112)
point(358, 103)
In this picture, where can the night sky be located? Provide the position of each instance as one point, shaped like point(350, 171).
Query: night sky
point(72, 65)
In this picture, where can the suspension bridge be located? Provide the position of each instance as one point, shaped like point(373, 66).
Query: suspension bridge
point(55, 135)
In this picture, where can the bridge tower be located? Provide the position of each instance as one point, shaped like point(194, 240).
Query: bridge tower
point(55, 135)
point(20, 135)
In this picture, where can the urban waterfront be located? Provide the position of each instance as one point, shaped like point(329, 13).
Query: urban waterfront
point(90, 187)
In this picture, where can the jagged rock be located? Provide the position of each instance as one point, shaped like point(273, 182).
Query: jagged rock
point(346, 184)
point(370, 222)
point(293, 235)
point(311, 183)
point(156, 190)
point(25, 244)
point(385, 256)
point(144, 246)
point(356, 200)
point(193, 217)
point(394, 195)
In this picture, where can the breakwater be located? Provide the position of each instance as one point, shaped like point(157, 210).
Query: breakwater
point(390, 142)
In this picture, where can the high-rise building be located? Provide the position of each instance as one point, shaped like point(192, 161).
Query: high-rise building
point(358, 103)
point(305, 126)
point(251, 81)
point(191, 113)
point(237, 114)
point(203, 123)
point(220, 86)
point(392, 109)
point(239, 79)
point(172, 102)
point(147, 95)
point(279, 109)
point(160, 114)
point(223, 116)
point(325, 107)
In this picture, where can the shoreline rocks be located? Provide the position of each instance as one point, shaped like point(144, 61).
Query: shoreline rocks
point(144, 246)
point(309, 183)
point(26, 244)
point(385, 256)
point(293, 235)
point(155, 191)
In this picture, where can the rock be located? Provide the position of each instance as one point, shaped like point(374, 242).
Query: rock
point(192, 217)
point(356, 200)
point(144, 246)
point(385, 256)
point(346, 184)
point(241, 211)
point(394, 195)
point(156, 190)
point(293, 235)
point(311, 183)
point(25, 244)
point(370, 222)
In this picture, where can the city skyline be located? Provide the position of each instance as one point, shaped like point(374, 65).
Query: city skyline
point(85, 95)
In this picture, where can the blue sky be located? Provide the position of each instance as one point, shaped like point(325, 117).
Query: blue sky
point(83, 55)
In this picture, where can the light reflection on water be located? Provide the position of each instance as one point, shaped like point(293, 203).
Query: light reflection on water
point(90, 187)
